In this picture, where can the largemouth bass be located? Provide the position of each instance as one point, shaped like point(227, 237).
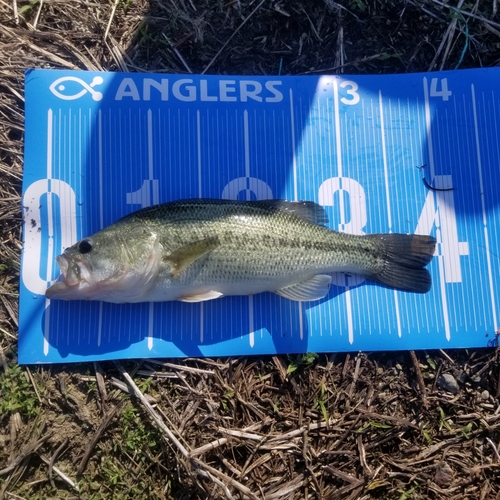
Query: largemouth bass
point(196, 250)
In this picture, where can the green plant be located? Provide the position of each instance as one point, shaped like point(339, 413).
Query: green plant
point(427, 433)
point(443, 421)
point(307, 359)
point(374, 425)
point(320, 402)
point(465, 431)
point(136, 433)
point(407, 494)
point(228, 395)
point(359, 5)
point(17, 394)
point(28, 8)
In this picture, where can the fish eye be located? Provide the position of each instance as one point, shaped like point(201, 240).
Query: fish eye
point(85, 246)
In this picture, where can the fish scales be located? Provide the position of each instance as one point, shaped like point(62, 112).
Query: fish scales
point(257, 243)
point(196, 250)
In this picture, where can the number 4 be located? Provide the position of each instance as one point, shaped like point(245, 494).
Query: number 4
point(444, 93)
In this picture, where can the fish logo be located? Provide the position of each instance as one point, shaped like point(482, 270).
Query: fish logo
point(58, 88)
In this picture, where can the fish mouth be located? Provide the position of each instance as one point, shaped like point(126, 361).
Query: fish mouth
point(70, 282)
point(63, 263)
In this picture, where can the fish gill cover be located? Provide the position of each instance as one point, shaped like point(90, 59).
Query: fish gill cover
point(413, 153)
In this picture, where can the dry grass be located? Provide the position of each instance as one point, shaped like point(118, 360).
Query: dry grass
point(340, 427)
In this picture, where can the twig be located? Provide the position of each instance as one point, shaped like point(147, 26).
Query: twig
point(469, 14)
point(177, 53)
point(108, 27)
point(497, 395)
point(53, 459)
point(342, 475)
point(233, 34)
point(355, 377)
point(13, 316)
point(224, 488)
point(19, 34)
point(122, 386)
point(343, 65)
point(339, 52)
point(14, 425)
point(362, 457)
point(101, 386)
point(228, 480)
point(151, 372)
point(26, 453)
point(99, 432)
point(208, 447)
point(16, 13)
point(315, 31)
point(241, 435)
point(420, 379)
point(38, 12)
point(280, 365)
point(307, 463)
point(60, 473)
point(154, 415)
point(494, 448)
point(181, 368)
point(398, 421)
point(491, 29)
point(118, 54)
point(232, 467)
point(284, 492)
point(447, 37)
point(97, 64)
point(273, 440)
point(209, 362)
point(30, 376)
point(5, 332)
point(443, 353)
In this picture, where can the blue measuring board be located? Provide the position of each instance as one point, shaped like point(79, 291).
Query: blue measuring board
point(380, 153)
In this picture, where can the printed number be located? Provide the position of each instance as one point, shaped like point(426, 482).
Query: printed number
point(146, 195)
point(259, 188)
point(351, 191)
point(444, 93)
point(439, 211)
point(357, 202)
point(351, 90)
point(34, 251)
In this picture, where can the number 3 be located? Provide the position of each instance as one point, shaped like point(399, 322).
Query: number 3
point(352, 91)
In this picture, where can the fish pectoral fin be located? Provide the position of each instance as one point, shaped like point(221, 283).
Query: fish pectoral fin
point(200, 297)
point(314, 288)
point(184, 256)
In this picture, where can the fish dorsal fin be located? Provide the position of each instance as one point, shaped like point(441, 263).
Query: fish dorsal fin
point(314, 288)
point(187, 254)
point(200, 297)
point(306, 210)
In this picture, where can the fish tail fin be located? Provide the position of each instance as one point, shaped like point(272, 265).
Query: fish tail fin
point(405, 258)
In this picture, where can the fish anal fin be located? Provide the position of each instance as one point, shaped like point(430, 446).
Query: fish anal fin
point(314, 288)
point(184, 256)
point(200, 297)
